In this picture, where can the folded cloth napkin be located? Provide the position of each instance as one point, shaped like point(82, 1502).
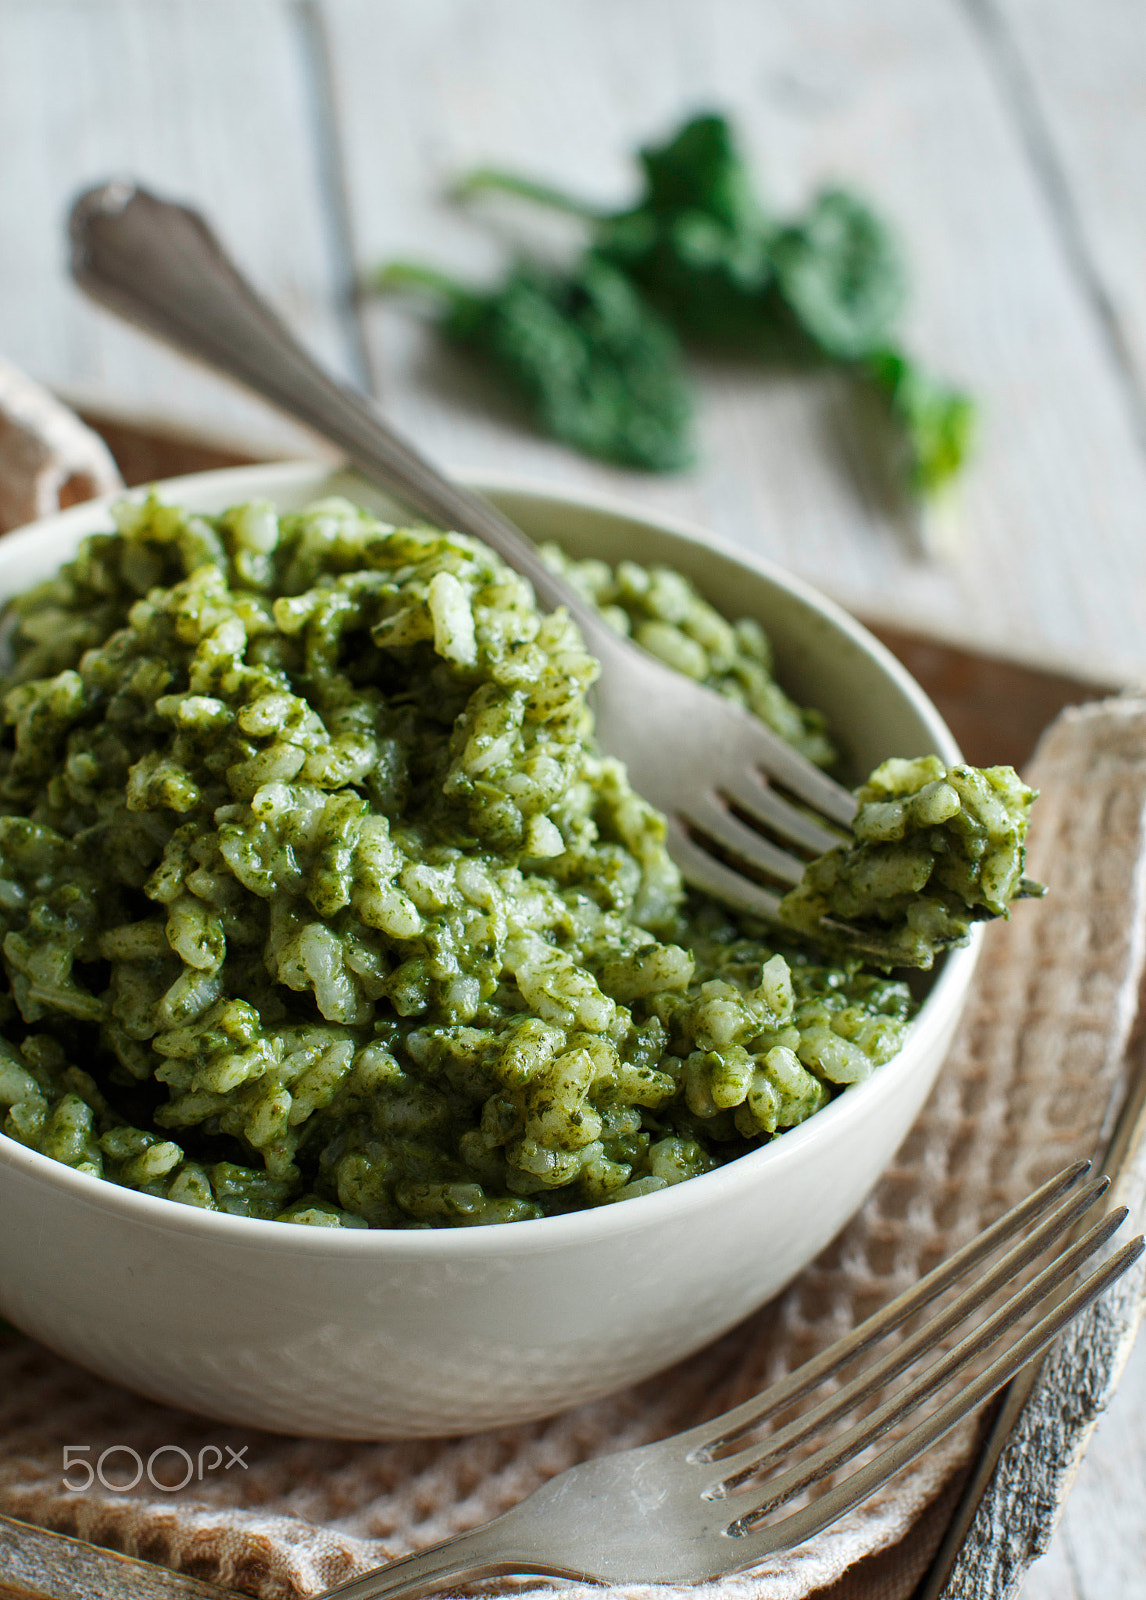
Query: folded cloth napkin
point(48, 458)
point(1034, 1079)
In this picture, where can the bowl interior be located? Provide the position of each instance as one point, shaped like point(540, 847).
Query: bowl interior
point(824, 657)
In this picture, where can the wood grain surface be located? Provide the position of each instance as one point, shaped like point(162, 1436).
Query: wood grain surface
point(207, 100)
point(1007, 138)
point(37, 1565)
point(321, 134)
point(902, 97)
point(1077, 72)
point(1046, 1420)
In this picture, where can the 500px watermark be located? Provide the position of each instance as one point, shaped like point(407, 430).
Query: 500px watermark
point(119, 1467)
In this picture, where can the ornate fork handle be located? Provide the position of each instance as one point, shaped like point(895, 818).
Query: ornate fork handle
point(550, 1533)
point(160, 266)
point(471, 1557)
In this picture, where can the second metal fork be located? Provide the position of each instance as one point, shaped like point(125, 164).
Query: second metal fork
point(697, 1506)
point(696, 755)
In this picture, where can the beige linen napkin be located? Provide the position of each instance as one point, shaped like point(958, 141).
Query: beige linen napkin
point(48, 458)
point(1032, 1083)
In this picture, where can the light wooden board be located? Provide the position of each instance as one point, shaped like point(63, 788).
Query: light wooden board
point(1005, 135)
point(37, 1565)
point(904, 97)
point(1045, 1424)
point(202, 99)
point(1099, 1549)
point(1081, 69)
point(901, 97)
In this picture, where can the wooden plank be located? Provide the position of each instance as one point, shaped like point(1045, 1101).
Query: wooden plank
point(1077, 79)
point(1081, 71)
point(1097, 1549)
point(38, 1565)
point(897, 96)
point(203, 99)
point(1047, 1417)
point(996, 709)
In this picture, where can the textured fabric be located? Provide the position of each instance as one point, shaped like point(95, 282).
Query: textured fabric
point(1032, 1082)
point(48, 458)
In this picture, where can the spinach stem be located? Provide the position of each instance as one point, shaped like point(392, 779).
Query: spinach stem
point(413, 275)
point(486, 179)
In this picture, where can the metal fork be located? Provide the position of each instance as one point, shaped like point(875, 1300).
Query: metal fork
point(690, 751)
point(696, 1506)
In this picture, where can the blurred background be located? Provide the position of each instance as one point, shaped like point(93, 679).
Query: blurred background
point(1004, 141)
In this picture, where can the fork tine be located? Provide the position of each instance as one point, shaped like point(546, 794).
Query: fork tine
point(868, 1429)
point(750, 790)
point(703, 1445)
point(546, 1532)
point(705, 872)
point(746, 1463)
point(802, 1524)
point(763, 748)
point(726, 829)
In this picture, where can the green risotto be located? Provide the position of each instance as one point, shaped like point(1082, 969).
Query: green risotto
point(320, 903)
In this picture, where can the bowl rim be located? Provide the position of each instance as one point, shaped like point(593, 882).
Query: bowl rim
point(542, 1234)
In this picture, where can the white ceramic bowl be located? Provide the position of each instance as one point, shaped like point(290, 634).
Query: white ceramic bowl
point(393, 1334)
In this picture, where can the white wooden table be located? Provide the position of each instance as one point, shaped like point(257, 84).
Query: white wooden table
point(1007, 137)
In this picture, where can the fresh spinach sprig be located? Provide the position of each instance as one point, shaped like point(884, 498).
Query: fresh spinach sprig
point(831, 284)
point(598, 369)
point(937, 423)
point(696, 243)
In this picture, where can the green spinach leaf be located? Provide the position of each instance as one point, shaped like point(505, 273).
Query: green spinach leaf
point(598, 369)
point(840, 274)
point(696, 242)
point(937, 423)
point(830, 285)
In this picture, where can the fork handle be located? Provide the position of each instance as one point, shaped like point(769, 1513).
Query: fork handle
point(482, 1552)
point(161, 266)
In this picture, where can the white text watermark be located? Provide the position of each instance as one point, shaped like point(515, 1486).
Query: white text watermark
point(119, 1468)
